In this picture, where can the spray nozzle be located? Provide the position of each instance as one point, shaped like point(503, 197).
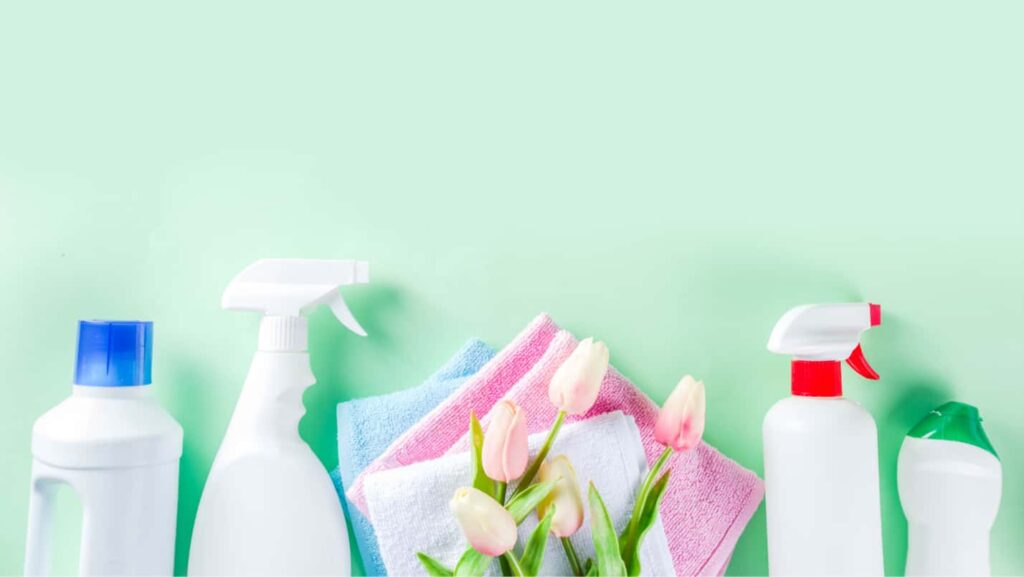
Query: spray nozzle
point(820, 336)
point(293, 287)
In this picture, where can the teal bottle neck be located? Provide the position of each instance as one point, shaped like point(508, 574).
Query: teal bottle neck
point(954, 421)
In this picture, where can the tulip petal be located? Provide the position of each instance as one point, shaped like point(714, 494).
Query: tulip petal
point(505, 452)
point(680, 422)
point(575, 385)
point(566, 498)
point(489, 528)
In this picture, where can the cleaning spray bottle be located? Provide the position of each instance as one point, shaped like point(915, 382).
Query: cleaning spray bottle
point(821, 449)
point(950, 483)
point(269, 506)
point(118, 450)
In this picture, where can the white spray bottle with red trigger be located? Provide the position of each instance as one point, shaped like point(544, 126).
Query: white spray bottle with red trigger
point(821, 449)
point(269, 506)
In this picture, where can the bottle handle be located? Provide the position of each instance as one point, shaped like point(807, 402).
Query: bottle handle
point(39, 540)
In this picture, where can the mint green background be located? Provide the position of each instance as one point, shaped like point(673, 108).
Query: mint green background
point(667, 177)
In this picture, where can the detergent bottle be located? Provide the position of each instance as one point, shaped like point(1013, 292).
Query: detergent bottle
point(269, 506)
point(950, 482)
point(118, 450)
point(821, 449)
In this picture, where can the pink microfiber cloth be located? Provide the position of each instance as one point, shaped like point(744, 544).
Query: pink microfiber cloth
point(442, 427)
point(709, 500)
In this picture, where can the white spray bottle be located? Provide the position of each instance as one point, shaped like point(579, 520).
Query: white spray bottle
point(269, 506)
point(821, 450)
point(950, 482)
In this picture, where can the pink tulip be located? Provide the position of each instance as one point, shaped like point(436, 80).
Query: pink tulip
point(681, 420)
point(505, 451)
point(574, 386)
point(565, 497)
point(489, 528)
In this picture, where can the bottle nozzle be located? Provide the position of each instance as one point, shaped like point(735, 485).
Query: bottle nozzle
point(289, 288)
point(859, 363)
point(819, 338)
point(344, 316)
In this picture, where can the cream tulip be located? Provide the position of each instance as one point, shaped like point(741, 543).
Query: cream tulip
point(565, 497)
point(489, 527)
point(505, 452)
point(574, 386)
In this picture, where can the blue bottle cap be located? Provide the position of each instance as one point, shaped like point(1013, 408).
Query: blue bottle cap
point(114, 353)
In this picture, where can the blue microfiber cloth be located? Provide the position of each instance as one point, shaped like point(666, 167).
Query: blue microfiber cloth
point(366, 427)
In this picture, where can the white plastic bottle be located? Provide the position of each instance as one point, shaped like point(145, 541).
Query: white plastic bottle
point(950, 483)
point(269, 506)
point(118, 450)
point(821, 450)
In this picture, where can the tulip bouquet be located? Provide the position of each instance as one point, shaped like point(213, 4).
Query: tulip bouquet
point(489, 516)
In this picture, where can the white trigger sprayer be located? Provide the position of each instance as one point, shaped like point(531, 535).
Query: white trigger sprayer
point(269, 506)
point(284, 288)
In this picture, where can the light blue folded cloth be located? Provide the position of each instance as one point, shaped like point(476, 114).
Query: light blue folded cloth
point(366, 427)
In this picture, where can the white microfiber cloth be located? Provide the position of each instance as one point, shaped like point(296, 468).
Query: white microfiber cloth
point(408, 506)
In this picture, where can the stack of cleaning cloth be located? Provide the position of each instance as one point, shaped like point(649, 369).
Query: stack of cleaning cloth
point(366, 427)
point(409, 505)
point(706, 507)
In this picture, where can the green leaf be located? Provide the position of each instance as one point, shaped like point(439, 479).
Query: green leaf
point(534, 467)
point(588, 566)
point(526, 501)
point(606, 542)
point(628, 541)
point(433, 566)
point(472, 564)
point(513, 564)
point(480, 479)
point(647, 519)
point(533, 554)
point(591, 569)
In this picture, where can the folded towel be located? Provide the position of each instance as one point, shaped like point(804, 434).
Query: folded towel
point(710, 498)
point(367, 426)
point(409, 505)
point(442, 426)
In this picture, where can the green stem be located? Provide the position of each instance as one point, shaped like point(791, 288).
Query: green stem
point(500, 489)
point(534, 467)
point(638, 506)
point(513, 563)
point(506, 569)
point(499, 495)
point(574, 559)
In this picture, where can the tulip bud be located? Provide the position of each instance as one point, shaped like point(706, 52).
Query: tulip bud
point(505, 450)
point(488, 526)
point(681, 420)
point(575, 385)
point(565, 497)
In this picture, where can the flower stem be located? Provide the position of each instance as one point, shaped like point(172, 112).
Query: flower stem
point(638, 507)
point(499, 495)
point(534, 467)
point(506, 569)
point(513, 563)
point(574, 559)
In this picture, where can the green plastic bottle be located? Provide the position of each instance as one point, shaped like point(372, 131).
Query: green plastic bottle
point(950, 484)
